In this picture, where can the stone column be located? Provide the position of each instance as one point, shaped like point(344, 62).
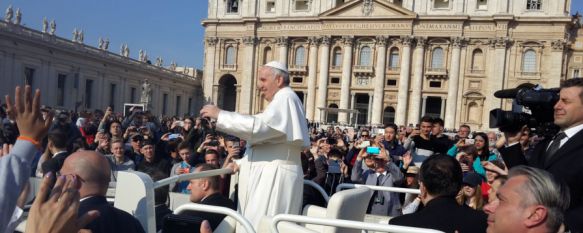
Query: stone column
point(283, 43)
point(424, 105)
point(352, 102)
point(209, 73)
point(416, 84)
point(403, 93)
point(557, 54)
point(312, 68)
point(346, 77)
point(442, 107)
point(379, 84)
point(452, 89)
point(323, 81)
point(369, 109)
point(497, 72)
point(248, 76)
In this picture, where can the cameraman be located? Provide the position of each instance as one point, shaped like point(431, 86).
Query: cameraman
point(561, 154)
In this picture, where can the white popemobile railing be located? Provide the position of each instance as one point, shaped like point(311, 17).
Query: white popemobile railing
point(378, 188)
point(217, 210)
point(346, 224)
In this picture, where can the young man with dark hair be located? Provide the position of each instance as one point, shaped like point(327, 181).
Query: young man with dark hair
point(57, 145)
point(152, 160)
point(440, 180)
point(442, 141)
point(463, 132)
point(420, 142)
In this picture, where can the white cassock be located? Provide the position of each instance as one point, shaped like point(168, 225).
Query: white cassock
point(270, 176)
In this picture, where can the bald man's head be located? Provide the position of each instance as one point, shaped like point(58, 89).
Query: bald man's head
point(93, 170)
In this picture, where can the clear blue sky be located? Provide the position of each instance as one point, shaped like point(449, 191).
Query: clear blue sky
point(170, 29)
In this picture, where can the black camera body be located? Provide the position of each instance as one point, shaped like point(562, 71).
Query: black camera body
point(539, 101)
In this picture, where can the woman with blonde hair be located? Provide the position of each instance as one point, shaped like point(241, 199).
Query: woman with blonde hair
point(471, 192)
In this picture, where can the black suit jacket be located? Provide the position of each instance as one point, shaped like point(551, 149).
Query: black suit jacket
point(445, 214)
point(566, 165)
point(216, 200)
point(110, 219)
point(55, 163)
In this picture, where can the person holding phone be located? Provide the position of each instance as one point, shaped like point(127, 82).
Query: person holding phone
point(420, 142)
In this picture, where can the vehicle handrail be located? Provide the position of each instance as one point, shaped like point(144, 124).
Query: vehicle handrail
point(346, 224)
point(378, 188)
point(319, 188)
point(217, 210)
point(190, 176)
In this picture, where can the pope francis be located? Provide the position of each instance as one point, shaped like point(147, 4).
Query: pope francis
point(271, 164)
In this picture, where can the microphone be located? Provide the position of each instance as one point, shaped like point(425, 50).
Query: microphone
point(507, 93)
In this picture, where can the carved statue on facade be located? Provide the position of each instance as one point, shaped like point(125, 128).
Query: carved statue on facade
point(81, 37)
point(9, 14)
point(141, 55)
point(53, 27)
point(100, 43)
point(18, 17)
point(173, 66)
point(126, 51)
point(106, 44)
point(159, 61)
point(146, 97)
point(75, 35)
point(45, 25)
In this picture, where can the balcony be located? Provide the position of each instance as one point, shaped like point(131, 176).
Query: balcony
point(335, 68)
point(530, 75)
point(476, 73)
point(393, 69)
point(363, 70)
point(298, 69)
point(436, 73)
point(230, 67)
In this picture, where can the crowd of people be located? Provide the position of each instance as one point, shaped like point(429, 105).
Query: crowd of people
point(468, 179)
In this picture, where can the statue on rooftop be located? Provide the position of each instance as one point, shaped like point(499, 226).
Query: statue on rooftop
point(53, 27)
point(45, 25)
point(100, 43)
point(146, 97)
point(18, 17)
point(106, 44)
point(9, 14)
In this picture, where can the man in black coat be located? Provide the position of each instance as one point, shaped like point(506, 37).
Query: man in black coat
point(57, 145)
point(562, 154)
point(93, 173)
point(207, 191)
point(440, 179)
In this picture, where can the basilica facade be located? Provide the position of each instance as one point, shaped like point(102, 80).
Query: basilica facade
point(380, 61)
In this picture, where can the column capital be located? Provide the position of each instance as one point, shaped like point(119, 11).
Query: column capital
point(212, 41)
point(282, 41)
point(381, 40)
point(406, 40)
point(500, 43)
point(348, 40)
point(250, 40)
point(325, 40)
point(421, 41)
point(314, 41)
point(558, 45)
point(458, 42)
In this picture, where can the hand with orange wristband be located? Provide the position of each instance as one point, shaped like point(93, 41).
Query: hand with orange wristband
point(26, 112)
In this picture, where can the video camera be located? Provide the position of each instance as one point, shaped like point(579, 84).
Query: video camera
point(539, 101)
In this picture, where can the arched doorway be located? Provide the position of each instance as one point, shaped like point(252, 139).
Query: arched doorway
point(332, 116)
point(388, 115)
point(227, 98)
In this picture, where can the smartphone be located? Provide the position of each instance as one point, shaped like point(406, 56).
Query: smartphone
point(173, 136)
point(236, 144)
point(470, 141)
point(373, 150)
point(364, 144)
point(180, 123)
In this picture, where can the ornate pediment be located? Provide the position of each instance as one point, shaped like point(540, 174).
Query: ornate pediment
point(368, 8)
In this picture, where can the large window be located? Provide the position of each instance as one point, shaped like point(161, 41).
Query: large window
point(437, 58)
point(529, 61)
point(270, 6)
point(132, 95)
point(300, 56)
point(112, 91)
point(232, 6)
point(394, 59)
point(88, 93)
point(28, 76)
point(178, 100)
point(337, 58)
point(230, 58)
point(267, 55)
point(164, 104)
point(477, 60)
point(302, 5)
point(482, 5)
point(61, 81)
point(441, 4)
point(365, 56)
point(534, 4)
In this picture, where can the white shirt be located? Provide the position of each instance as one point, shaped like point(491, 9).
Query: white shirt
point(570, 132)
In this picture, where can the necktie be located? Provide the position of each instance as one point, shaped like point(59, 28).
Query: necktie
point(380, 179)
point(554, 147)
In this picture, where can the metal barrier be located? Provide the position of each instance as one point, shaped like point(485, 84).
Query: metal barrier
point(217, 210)
point(319, 188)
point(378, 188)
point(346, 224)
